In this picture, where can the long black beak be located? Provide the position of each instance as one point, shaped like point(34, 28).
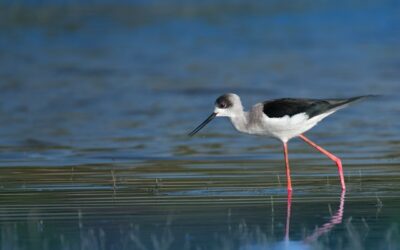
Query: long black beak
point(212, 116)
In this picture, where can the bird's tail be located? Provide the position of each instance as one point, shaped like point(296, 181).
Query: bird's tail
point(342, 103)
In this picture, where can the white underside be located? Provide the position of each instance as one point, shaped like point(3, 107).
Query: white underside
point(282, 128)
point(285, 128)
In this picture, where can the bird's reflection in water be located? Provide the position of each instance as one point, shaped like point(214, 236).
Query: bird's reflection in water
point(335, 219)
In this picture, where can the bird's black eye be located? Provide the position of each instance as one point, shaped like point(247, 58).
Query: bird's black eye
point(223, 102)
point(222, 105)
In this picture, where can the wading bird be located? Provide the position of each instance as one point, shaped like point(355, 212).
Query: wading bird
point(283, 119)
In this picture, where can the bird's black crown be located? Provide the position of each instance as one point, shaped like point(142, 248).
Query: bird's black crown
point(223, 102)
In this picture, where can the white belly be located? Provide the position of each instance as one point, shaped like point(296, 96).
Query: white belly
point(285, 128)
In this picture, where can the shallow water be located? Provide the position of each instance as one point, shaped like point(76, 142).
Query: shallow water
point(96, 102)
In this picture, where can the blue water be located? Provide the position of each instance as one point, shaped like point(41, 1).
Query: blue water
point(97, 98)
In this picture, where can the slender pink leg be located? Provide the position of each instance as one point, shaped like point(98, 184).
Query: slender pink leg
point(330, 156)
point(289, 181)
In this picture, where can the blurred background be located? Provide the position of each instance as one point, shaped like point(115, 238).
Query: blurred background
point(137, 74)
point(89, 87)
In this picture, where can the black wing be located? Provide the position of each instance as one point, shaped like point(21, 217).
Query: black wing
point(312, 107)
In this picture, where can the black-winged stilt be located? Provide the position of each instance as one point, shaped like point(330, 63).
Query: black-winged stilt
point(282, 119)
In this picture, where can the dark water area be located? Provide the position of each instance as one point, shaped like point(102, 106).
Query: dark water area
point(97, 98)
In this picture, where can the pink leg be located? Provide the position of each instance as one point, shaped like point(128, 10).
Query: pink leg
point(289, 181)
point(331, 156)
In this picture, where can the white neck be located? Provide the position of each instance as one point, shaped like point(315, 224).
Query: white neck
point(240, 121)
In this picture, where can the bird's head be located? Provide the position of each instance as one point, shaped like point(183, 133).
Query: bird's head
point(227, 105)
